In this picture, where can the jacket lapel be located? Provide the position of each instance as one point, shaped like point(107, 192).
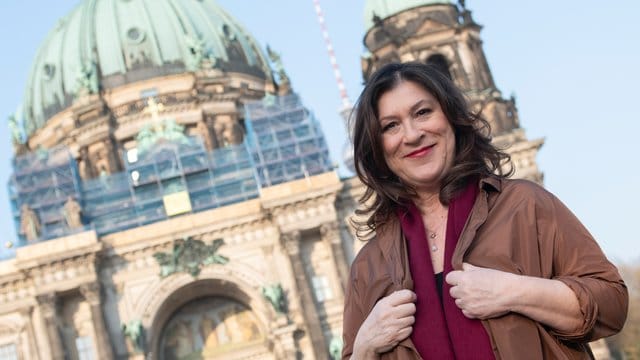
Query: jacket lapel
point(393, 248)
point(390, 241)
point(478, 217)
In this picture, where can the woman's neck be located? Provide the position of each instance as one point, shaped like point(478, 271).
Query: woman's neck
point(429, 203)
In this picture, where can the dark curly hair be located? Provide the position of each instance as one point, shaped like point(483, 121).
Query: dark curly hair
point(475, 156)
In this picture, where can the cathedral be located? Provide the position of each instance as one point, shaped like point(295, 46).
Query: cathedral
point(175, 199)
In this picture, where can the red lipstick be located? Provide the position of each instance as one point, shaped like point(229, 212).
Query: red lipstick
point(420, 152)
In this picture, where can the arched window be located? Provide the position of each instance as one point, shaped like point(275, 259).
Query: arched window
point(440, 62)
point(209, 328)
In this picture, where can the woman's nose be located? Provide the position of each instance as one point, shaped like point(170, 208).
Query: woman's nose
point(412, 133)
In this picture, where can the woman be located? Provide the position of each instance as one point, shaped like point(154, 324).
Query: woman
point(464, 264)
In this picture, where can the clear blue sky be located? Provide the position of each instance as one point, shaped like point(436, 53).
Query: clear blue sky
point(573, 69)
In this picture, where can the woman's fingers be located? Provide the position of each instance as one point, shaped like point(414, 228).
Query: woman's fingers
point(403, 310)
point(401, 297)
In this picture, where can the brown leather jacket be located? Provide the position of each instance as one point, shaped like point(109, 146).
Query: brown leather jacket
point(514, 226)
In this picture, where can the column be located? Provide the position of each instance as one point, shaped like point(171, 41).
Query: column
point(291, 242)
point(91, 293)
point(285, 336)
point(48, 306)
point(330, 233)
point(31, 334)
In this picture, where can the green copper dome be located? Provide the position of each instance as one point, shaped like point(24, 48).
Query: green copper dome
point(103, 44)
point(385, 8)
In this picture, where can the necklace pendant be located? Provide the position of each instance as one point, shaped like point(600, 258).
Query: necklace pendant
point(434, 248)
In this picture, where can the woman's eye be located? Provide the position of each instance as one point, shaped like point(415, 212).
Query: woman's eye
point(388, 126)
point(423, 111)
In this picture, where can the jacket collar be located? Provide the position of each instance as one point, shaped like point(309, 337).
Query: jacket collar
point(389, 235)
point(491, 183)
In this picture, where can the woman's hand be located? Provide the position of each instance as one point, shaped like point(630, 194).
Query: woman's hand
point(389, 322)
point(481, 293)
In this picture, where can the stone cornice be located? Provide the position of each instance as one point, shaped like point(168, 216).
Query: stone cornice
point(50, 266)
point(227, 217)
point(243, 224)
point(301, 191)
point(306, 213)
point(16, 294)
point(304, 203)
point(53, 251)
point(171, 101)
point(130, 125)
point(91, 131)
point(64, 275)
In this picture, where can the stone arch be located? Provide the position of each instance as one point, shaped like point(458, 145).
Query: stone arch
point(174, 292)
point(441, 63)
point(452, 58)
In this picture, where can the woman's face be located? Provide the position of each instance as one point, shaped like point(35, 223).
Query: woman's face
point(417, 139)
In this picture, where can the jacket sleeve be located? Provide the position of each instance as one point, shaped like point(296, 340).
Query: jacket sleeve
point(579, 263)
point(353, 315)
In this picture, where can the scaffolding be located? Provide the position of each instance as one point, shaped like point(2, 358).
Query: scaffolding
point(43, 181)
point(284, 142)
point(138, 195)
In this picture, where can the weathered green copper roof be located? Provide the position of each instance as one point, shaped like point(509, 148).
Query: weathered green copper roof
point(108, 43)
point(385, 8)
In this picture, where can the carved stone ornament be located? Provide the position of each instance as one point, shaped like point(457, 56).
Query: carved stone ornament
point(276, 297)
point(330, 231)
point(167, 130)
point(134, 333)
point(48, 305)
point(91, 293)
point(291, 242)
point(335, 347)
point(190, 256)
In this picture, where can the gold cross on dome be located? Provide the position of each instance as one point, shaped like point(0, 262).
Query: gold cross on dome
point(154, 109)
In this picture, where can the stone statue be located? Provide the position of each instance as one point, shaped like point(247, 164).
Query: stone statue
point(197, 52)
point(84, 164)
point(275, 295)
point(279, 67)
point(145, 139)
point(205, 134)
point(228, 131)
point(173, 132)
point(72, 213)
point(87, 80)
point(14, 129)
point(168, 130)
point(134, 331)
point(235, 51)
point(29, 223)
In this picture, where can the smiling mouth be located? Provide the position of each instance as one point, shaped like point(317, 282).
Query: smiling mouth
point(420, 152)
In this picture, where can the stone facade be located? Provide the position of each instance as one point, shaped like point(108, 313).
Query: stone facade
point(84, 287)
